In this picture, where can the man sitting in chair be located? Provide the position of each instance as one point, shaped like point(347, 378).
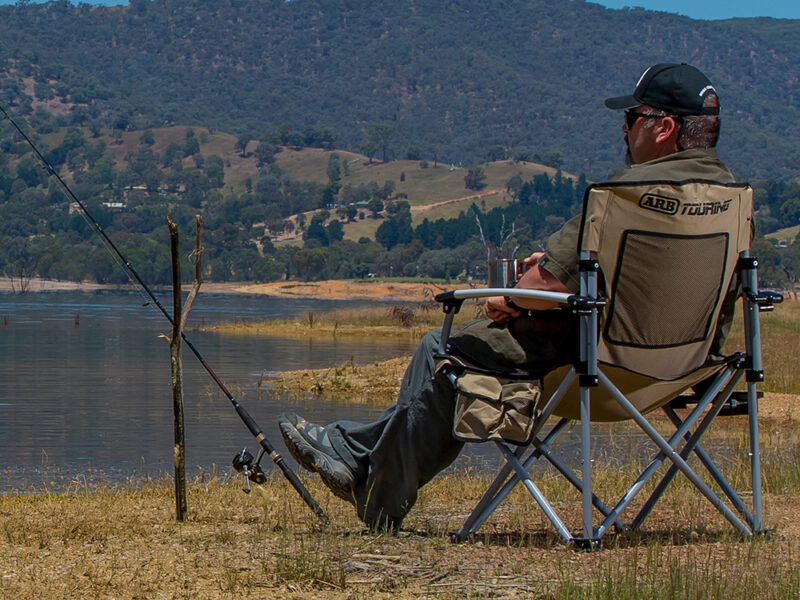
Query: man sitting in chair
point(671, 128)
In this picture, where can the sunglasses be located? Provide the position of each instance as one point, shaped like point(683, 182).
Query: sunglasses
point(631, 117)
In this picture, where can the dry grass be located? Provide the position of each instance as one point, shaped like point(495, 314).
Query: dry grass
point(123, 542)
point(780, 342)
point(379, 321)
point(376, 383)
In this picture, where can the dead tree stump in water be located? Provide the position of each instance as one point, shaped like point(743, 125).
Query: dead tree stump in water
point(180, 314)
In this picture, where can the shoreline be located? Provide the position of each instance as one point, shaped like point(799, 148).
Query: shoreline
point(337, 289)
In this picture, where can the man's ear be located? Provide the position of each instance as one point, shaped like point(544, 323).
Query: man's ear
point(667, 131)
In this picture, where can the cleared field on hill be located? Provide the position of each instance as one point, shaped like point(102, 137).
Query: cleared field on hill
point(787, 235)
point(433, 191)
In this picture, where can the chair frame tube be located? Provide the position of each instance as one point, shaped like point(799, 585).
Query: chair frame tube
point(656, 462)
point(588, 374)
point(670, 453)
point(753, 348)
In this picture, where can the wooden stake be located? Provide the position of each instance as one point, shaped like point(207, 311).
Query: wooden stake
point(180, 315)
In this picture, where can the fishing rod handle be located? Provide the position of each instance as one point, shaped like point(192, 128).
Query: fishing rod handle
point(297, 484)
point(278, 460)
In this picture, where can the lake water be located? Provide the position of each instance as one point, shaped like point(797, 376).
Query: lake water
point(85, 392)
point(85, 383)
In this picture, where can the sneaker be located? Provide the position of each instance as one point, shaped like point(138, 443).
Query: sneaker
point(308, 444)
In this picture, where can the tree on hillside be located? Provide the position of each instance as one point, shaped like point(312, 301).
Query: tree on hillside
point(520, 154)
point(375, 206)
point(241, 145)
point(380, 134)
point(147, 137)
point(369, 149)
point(334, 169)
point(310, 263)
point(514, 186)
point(319, 137)
point(495, 153)
point(475, 179)
point(335, 231)
point(265, 153)
point(397, 229)
point(174, 152)
point(214, 168)
point(191, 146)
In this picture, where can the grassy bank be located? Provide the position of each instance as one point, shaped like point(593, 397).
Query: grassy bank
point(780, 343)
point(400, 320)
point(377, 383)
point(123, 542)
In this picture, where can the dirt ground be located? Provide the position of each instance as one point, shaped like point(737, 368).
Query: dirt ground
point(341, 289)
point(332, 290)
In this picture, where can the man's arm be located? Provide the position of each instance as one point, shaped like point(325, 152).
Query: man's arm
point(535, 277)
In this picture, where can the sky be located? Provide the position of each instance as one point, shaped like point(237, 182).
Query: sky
point(703, 9)
point(715, 9)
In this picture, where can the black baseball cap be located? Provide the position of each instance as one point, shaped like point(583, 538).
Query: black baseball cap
point(676, 88)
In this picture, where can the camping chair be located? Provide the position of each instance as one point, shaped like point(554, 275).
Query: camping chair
point(659, 263)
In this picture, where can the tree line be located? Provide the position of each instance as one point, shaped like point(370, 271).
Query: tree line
point(454, 79)
point(41, 234)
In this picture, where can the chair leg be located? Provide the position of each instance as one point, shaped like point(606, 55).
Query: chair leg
point(755, 458)
point(534, 491)
point(670, 453)
point(486, 505)
point(586, 468)
point(692, 445)
point(659, 458)
point(573, 479)
point(502, 486)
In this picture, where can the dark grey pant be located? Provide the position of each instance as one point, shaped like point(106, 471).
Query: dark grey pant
point(412, 441)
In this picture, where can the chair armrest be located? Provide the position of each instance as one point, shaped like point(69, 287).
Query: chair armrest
point(452, 301)
point(465, 294)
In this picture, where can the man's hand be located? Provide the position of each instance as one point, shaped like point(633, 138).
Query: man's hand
point(498, 311)
point(530, 262)
point(534, 277)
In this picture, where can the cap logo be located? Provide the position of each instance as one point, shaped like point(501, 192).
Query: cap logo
point(708, 88)
point(643, 75)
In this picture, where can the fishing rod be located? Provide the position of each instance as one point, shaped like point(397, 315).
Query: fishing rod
point(243, 462)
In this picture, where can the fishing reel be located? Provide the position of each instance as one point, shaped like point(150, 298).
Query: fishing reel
point(244, 463)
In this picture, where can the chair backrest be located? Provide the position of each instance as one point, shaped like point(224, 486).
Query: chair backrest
point(668, 252)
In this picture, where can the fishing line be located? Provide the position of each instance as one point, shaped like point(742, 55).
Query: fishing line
point(244, 461)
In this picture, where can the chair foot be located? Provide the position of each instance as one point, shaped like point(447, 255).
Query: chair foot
point(763, 533)
point(587, 544)
point(458, 537)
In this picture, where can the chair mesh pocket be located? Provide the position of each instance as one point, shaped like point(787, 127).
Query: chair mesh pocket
point(487, 409)
point(665, 289)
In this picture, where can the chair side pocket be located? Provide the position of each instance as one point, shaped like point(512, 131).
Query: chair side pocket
point(488, 409)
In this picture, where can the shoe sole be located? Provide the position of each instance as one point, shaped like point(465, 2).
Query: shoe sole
point(313, 460)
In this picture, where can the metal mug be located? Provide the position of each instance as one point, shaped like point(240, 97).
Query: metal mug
point(503, 271)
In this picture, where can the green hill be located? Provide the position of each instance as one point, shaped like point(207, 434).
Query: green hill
point(451, 78)
point(434, 192)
